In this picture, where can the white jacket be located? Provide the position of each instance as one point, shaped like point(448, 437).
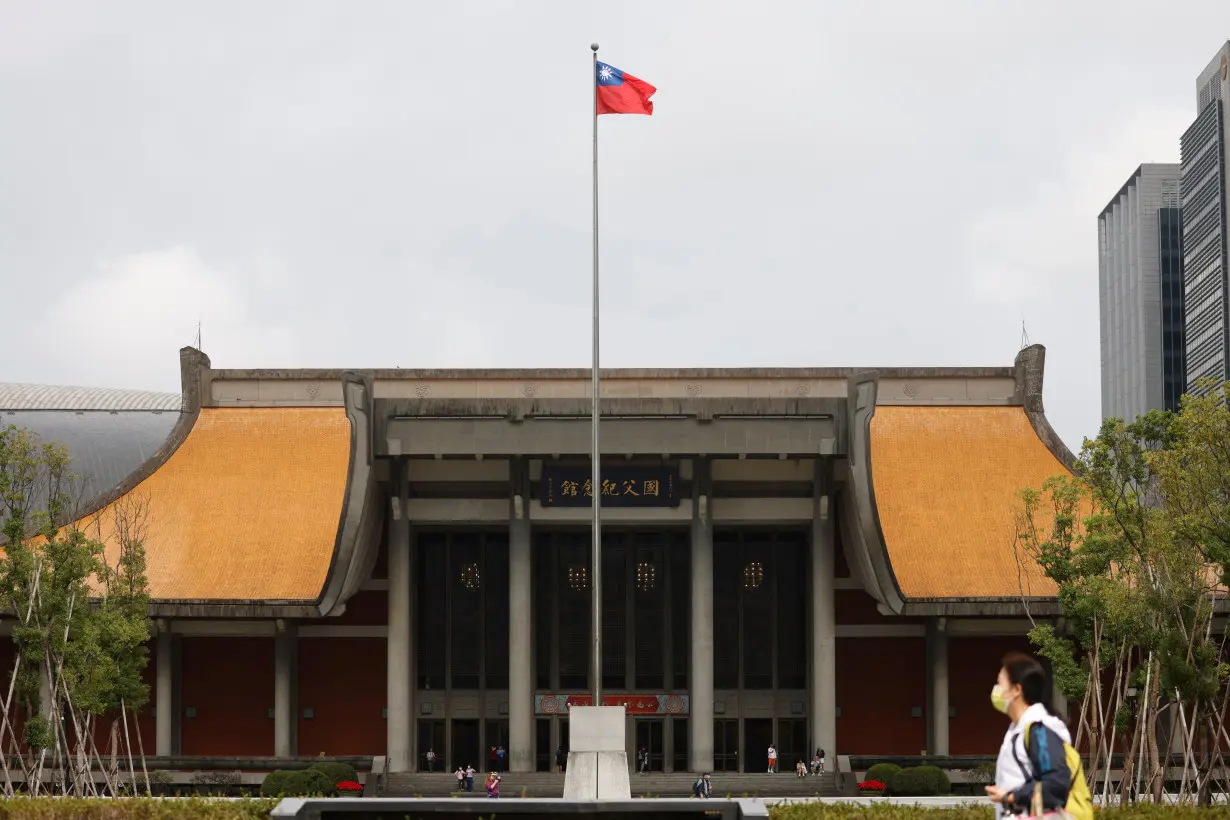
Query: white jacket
point(1008, 773)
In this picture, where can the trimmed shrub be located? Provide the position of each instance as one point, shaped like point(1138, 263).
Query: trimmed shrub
point(70, 808)
point(336, 772)
point(883, 772)
point(919, 781)
point(938, 778)
point(882, 811)
point(297, 783)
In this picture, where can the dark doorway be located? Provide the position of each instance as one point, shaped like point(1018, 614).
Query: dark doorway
point(431, 739)
point(679, 728)
point(726, 745)
point(792, 743)
point(497, 736)
point(543, 753)
point(563, 735)
point(649, 736)
point(757, 738)
point(466, 751)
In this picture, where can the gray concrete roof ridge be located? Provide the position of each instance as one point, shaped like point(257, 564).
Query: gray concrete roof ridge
point(620, 373)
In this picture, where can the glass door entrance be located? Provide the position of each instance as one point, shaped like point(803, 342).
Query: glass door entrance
point(649, 734)
point(466, 750)
point(757, 737)
point(432, 746)
point(726, 745)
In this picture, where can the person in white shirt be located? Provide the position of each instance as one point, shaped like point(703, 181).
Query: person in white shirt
point(1020, 693)
point(772, 759)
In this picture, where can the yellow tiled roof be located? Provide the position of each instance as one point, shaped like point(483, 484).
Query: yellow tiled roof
point(946, 482)
point(247, 508)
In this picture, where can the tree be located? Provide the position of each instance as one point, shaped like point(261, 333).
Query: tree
point(80, 622)
point(1137, 599)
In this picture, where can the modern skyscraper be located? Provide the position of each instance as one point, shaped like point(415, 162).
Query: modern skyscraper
point(1140, 291)
point(1203, 158)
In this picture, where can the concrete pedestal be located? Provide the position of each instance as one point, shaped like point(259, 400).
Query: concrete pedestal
point(597, 755)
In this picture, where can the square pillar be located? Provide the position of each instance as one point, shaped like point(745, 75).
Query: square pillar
point(520, 628)
point(937, 686)
point(285, 688)
point(401, 678)
point(823, 645)
point(700, 680)
point(164, 692)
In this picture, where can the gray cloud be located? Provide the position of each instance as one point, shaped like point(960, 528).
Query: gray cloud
point(377, 184)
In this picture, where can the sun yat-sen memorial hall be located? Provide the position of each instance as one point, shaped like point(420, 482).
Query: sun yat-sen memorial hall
point(387, 562)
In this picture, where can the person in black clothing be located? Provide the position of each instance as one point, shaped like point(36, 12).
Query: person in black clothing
point(561, 759)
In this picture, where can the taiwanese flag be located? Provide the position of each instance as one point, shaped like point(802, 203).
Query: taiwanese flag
point(620, 93)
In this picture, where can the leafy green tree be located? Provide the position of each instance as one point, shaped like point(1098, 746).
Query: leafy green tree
point(81, 623)
point(1136, 599)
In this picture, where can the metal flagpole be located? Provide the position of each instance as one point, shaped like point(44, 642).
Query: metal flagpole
point(595, 461)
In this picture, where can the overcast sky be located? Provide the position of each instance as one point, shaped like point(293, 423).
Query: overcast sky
point(376, 184)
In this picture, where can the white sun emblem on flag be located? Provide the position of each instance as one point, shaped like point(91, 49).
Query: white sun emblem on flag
point(605, 73)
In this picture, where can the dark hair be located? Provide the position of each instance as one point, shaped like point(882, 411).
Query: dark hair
point(1027, 672)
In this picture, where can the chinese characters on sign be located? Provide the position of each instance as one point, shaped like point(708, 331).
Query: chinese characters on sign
point(621, 487)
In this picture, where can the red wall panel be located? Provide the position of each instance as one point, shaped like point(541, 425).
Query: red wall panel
point(229, 681)
point(973, 664)
point(854, 606)
point(879, 680)
point(366, 608)
point(343, 680)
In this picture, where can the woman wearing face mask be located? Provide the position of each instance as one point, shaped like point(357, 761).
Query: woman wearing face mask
point(1021, 693)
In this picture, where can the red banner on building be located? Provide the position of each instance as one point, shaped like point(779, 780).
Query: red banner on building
point(634, 704)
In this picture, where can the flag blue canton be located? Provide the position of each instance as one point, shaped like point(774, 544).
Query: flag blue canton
point(609, 75)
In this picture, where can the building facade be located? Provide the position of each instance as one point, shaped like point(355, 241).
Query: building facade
point(1203, 159)
point(389, 562)
point(1140, 294)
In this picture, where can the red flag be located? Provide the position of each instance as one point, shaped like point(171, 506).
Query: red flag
point(620, 93)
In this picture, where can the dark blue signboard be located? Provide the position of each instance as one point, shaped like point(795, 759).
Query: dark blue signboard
point(621, 487)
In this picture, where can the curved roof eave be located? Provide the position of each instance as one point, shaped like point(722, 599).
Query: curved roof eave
point(354, 547)
point(867, 549)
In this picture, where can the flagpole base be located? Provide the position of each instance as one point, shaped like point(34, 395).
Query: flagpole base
point(597, 755)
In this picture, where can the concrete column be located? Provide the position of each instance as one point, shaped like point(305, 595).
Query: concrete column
point(164, 697)
point(401, 680)
point(701, 678)
point(937, 686)
point(823, 706)
point(285, 687)
point(520, 629)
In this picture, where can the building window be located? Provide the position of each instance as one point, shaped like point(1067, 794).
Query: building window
point(461, 597)
point(646, 576)
point(760, 605)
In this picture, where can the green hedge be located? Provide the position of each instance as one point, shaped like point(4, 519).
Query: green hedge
point(883, 772)
point(336, 772)
point(884, 810)
point(919, 781)
point(59, 808)
point(298, 783)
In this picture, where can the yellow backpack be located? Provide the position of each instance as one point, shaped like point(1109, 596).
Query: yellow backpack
point(1080, 801)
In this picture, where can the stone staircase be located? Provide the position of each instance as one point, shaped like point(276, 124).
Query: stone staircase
point(654, 784)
